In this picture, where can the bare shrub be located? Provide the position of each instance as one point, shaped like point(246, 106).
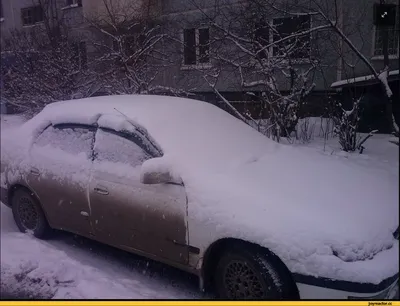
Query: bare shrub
point(306, 130)
point(346, 126)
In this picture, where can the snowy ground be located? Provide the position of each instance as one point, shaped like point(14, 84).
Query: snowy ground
point(72, 267)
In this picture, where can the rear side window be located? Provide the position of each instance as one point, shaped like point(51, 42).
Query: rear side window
point(114, 148)
point(73, 140)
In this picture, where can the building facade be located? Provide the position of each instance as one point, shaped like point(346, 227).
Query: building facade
point(194, 41)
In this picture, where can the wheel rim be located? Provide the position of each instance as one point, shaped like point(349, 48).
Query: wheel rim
point(242, 282)
point(27, 213)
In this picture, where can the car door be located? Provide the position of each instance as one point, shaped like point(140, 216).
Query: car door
point(61, 160)
point(131, 215)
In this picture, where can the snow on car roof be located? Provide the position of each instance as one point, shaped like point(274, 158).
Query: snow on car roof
point(191, 130)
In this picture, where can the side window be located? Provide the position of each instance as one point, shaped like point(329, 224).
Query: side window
point(73, 140)
point(114, 148)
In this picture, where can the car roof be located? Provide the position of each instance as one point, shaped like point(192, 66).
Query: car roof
point(191, 130)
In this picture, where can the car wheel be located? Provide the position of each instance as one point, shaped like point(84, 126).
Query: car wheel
point(28, 214)
point(249, 275)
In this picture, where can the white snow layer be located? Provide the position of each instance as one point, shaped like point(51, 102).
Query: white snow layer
point(49, 269)
point(322, 215)
point(383, 77)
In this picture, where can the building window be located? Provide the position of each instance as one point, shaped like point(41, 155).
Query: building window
point(74, 3)
point(393, 40)
point(196, 46)
point(80, 54)
point(262, 33)
point(298, 46)
point(32, 15)
point(1, 10)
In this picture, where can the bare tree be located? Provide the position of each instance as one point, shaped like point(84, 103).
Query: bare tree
point(265, 54)
point(273, 61)
point(330, 16)
point(46, 64)
point(127, 38)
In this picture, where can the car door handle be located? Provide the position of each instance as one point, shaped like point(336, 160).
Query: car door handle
point(35, 171)
point(101, 191)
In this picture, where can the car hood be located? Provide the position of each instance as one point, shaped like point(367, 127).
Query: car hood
point(299, 202)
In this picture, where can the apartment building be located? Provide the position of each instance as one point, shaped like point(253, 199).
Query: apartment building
point(340, 70)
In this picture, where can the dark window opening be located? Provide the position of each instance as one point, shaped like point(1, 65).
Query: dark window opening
point(79, 55)
point(393, 38)
point(32, 15)
point(299, 46)
point(204, 46)
point(72, 2)
point(189, 40)
point(261, 37)
point(129, 45)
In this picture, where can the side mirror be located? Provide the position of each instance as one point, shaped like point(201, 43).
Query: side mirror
point(154, 171)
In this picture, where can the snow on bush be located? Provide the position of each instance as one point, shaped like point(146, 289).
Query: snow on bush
point(346, 125)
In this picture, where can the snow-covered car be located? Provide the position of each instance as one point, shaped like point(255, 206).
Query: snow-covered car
point(185, 183)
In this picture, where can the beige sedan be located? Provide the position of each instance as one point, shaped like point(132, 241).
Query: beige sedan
point(155, 176)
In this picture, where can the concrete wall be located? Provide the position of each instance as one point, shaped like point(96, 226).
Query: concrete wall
point(178, 14)
point(95, 8)
point(357, 24)
point(360, 29)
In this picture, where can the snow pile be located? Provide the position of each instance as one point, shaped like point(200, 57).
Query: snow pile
point(317, 222)
point(116, 122)
point(10, 121)
point(78, 118)
point(160, 165)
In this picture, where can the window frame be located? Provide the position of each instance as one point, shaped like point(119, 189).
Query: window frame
point(1, 11)
point(374, 37)
point(61, 126)
point(81, 57)
point(198, 64)
point(75, 3)
point(271, 37)
point(32, 10)
point(263, 23)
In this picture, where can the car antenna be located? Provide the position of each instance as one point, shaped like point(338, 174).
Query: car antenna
point(126, 117)
point(122, 114)
point(130, 121)
point(137, 128)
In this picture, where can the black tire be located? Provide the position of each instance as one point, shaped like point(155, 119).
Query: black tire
point(28, 214)
point(247, 273)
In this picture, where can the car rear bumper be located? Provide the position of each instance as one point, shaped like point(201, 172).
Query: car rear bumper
point(4, 196)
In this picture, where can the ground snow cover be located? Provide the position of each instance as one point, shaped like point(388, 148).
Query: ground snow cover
point(61, 270)
point(306, 183)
